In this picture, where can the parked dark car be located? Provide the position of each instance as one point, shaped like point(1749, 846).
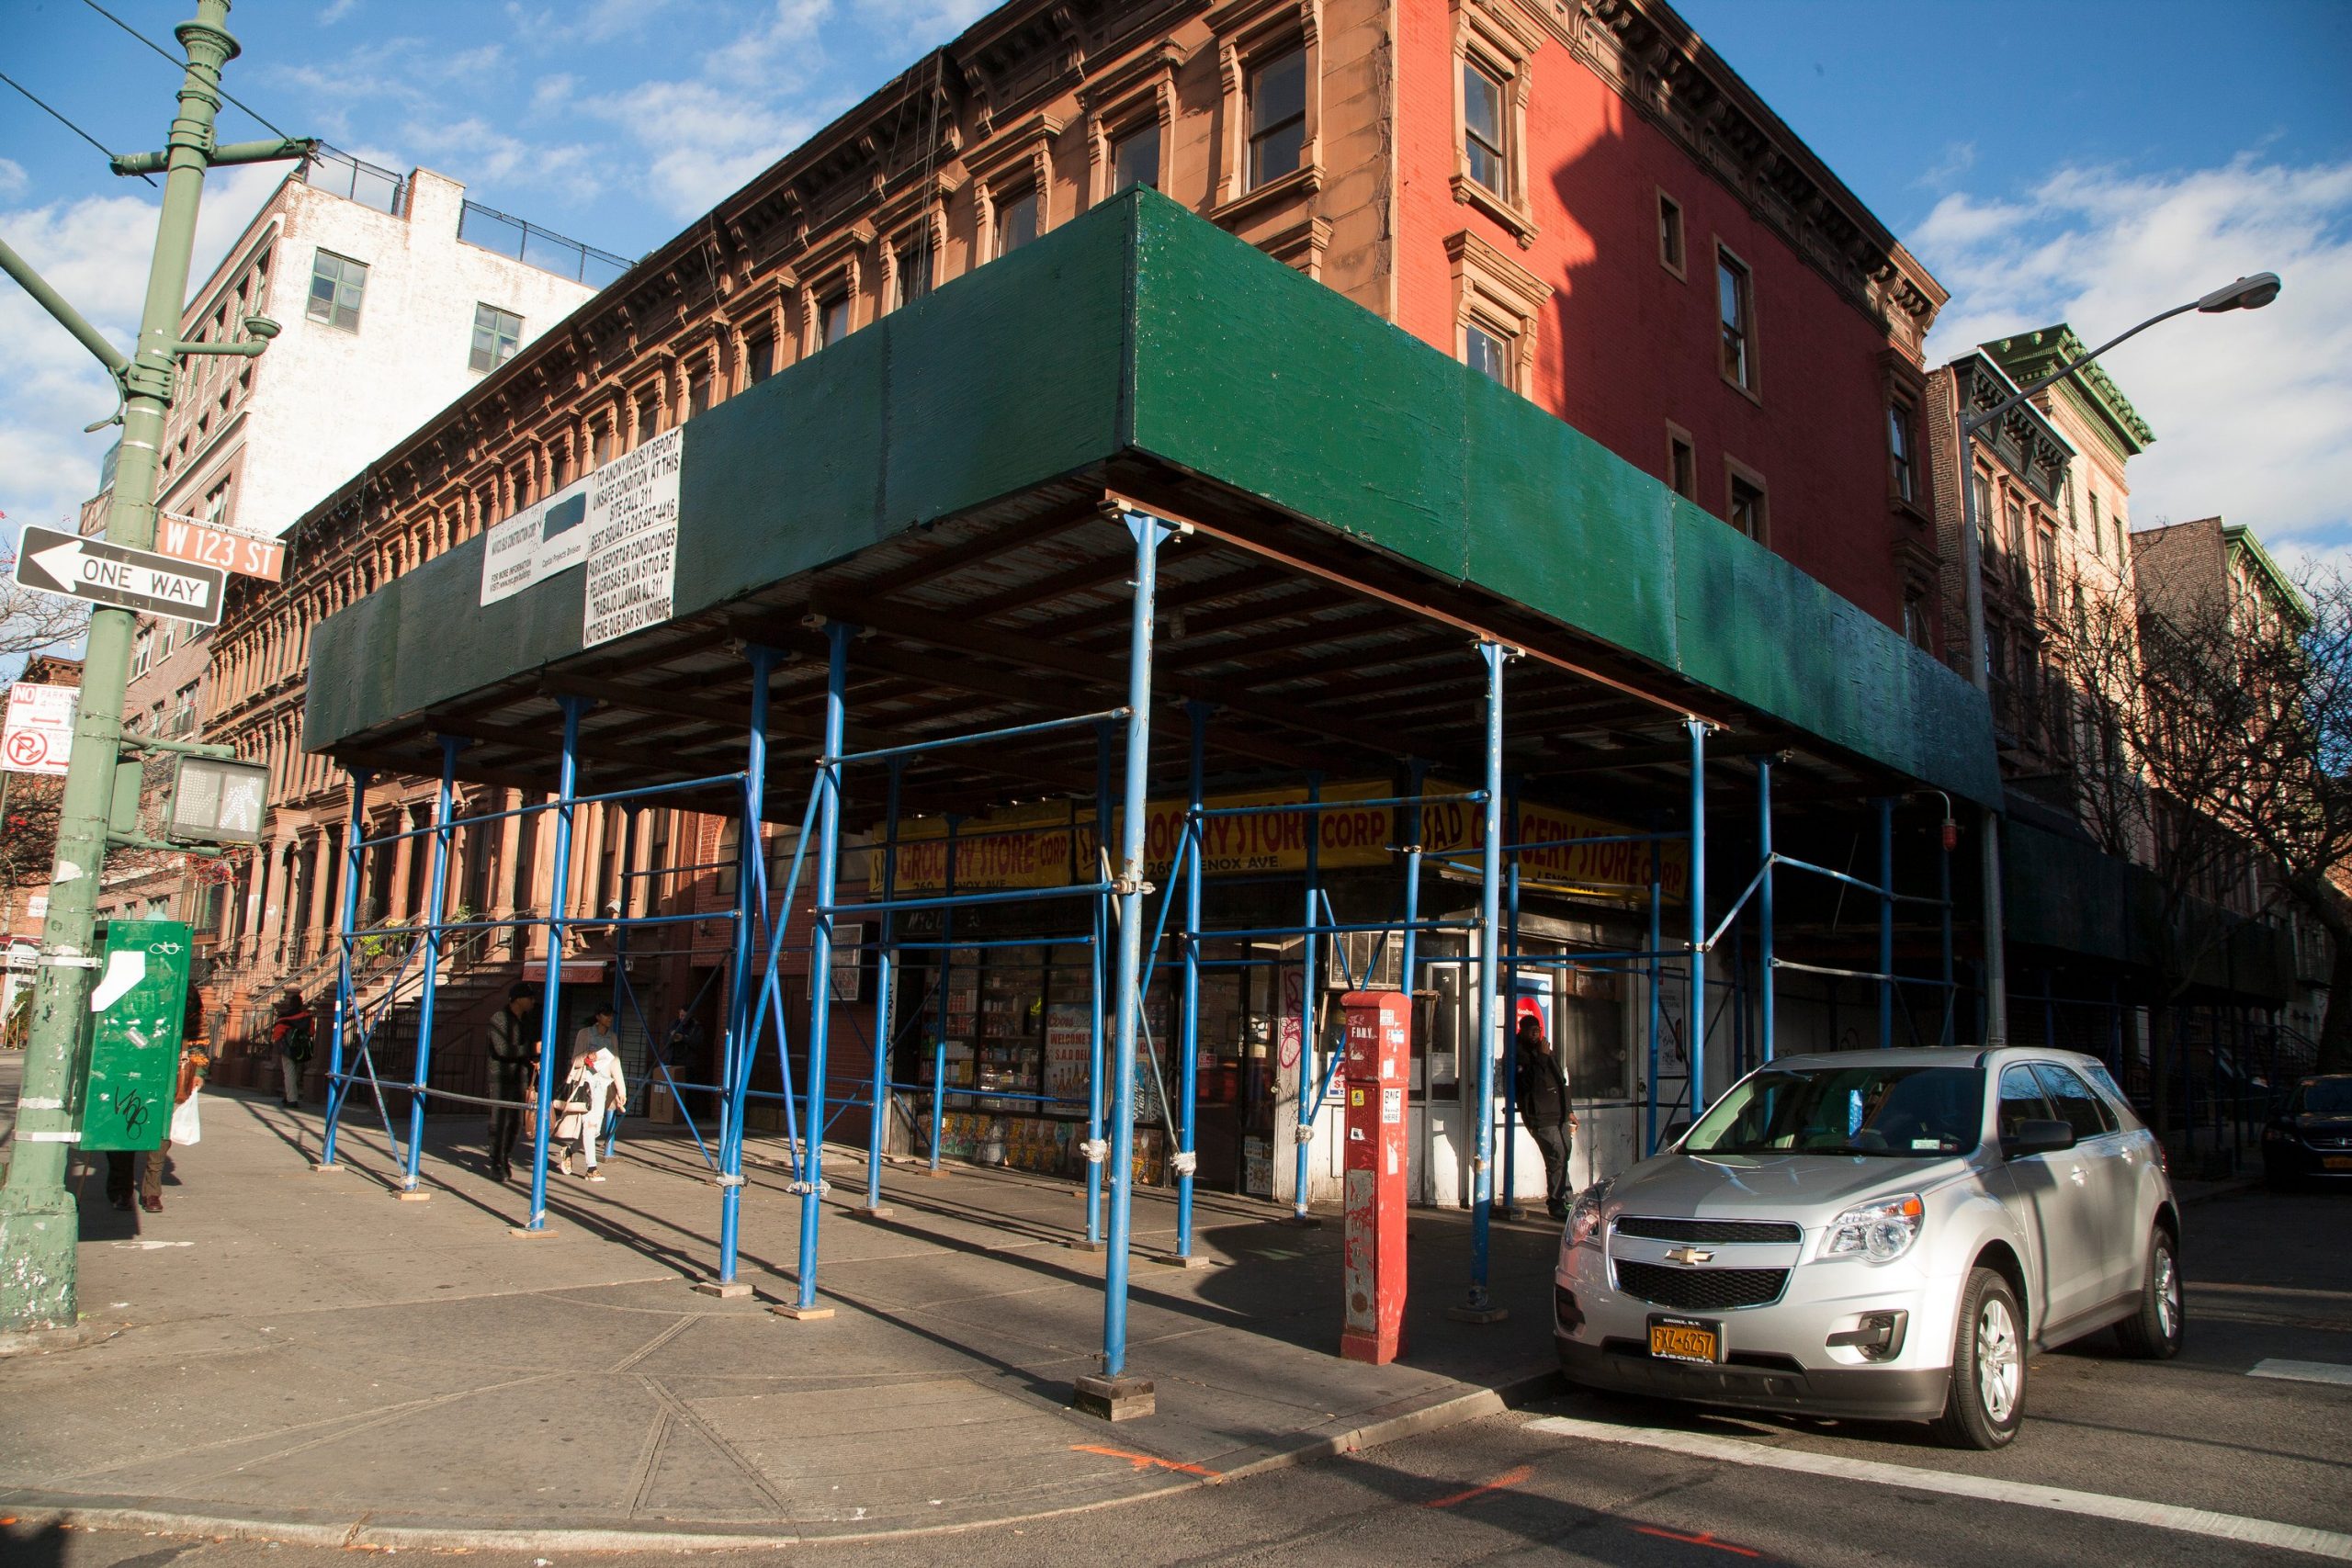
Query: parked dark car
point(2309, 1138)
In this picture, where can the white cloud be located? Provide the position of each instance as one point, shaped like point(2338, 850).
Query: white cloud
point(2251, 409)
point(337, 12)
point(11, 177)
point(96, 252)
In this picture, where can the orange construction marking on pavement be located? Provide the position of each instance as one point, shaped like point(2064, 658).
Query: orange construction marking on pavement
point(1508, 1479)
point(1706, 1538)
point(1144, 1461)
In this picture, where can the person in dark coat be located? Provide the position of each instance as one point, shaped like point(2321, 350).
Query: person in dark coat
point(1543, 1089)
point(514, 1050)
point(292, 1029)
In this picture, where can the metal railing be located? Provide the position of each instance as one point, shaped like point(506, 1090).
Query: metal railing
point(354, 179)
point(526, 242)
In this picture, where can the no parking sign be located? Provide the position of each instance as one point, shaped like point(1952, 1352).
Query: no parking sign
point(40, 734)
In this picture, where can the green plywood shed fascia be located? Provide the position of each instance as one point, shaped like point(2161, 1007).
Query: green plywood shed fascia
point(1142, 327)
point(1394, 443)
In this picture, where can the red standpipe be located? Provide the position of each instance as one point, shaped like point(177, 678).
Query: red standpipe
point(1379, 1050)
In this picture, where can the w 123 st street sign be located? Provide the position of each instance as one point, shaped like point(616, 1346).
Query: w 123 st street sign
point(97, 573)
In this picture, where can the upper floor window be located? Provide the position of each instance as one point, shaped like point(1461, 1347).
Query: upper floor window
point(2046, 564)
point(759, 358)
point(1490, 352)
point(337, 283)
point(1900, 471)
point(497, 334)
point(1670, 234)
point(603, 449)
point(1746, 512)
point(1277, 117)
point(1482, 128)
point(1135, 158)
point(832, 320)
point(914, 269)
point(1981, 488)
point(649, 414)
point(697, 393)
point(1016, 221)
point(1736, 307)
point(2016, 535)
point(1682, 465)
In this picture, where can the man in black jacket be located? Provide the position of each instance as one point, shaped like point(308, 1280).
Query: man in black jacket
point(1543, 1089)
point(514, 1048)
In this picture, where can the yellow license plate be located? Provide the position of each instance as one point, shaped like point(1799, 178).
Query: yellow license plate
point(1685, 1339)
point(2338, 1162)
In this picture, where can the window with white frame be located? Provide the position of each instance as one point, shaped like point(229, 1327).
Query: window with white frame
point(1497, 304)
point(497, 334)
point(1277, 110)
point(338, 283)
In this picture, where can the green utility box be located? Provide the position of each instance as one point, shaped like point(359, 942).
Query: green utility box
point(138, 999)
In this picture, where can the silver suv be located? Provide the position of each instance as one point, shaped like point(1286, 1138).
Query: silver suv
point(1879, 1235)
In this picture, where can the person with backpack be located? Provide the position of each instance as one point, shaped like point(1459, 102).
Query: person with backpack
point(290, 1031)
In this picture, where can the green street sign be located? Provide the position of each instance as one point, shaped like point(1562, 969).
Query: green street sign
point(136, 1007)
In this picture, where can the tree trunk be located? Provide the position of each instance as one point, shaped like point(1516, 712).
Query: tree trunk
point(2336, 1029)
point(2160, 1022)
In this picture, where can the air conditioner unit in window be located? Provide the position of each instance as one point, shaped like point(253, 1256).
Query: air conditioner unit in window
point(1366, 960)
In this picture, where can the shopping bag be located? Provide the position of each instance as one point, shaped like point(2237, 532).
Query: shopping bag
point(186, 1128)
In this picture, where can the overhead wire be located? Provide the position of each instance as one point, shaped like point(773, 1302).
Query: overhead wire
point(62, 119)
point(180, 64)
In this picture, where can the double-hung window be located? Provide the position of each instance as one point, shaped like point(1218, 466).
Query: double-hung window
point(1016, 221)
point(1482, 128)
point(1135, 158)
point(497, 334)
point(338, 285)
point(1902, 471)
point(1277, 117)
point(1736, 307)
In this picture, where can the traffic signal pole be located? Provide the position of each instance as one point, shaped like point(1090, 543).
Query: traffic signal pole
point(38, 1223)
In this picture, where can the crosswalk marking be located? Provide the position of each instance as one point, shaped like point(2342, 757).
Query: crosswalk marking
point(2303, 1371)
point(2128, 1510)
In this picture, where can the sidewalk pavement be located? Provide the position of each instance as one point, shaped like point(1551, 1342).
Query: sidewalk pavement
point(300, 1356)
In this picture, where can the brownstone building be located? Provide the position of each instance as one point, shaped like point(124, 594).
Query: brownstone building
point(1575, 196)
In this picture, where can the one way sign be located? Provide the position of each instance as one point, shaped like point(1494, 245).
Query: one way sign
point(97, 573)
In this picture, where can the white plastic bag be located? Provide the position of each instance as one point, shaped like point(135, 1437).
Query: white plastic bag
point(186, 1126)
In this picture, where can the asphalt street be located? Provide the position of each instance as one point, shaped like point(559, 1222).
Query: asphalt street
point(2146, 1453)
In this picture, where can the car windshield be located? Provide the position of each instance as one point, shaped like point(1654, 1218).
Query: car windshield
point(1909, 1112)
point(2326, 1097)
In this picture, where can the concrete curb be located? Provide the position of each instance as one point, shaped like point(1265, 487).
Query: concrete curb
point(34, 1510)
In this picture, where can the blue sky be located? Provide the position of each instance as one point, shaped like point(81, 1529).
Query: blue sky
point(2096, 161)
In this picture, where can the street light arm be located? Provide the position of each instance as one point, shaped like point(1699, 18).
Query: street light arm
point(67, 316)
point(1978, 420)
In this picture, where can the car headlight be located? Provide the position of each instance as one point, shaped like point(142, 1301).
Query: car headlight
point(1584, 1218)
point(1881, 1230)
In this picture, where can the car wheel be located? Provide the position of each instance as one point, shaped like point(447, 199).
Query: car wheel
point(1987, 1400)
point(2154, 1332)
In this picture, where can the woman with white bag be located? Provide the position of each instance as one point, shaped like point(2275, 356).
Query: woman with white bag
point(186, 1128)
point(594, 1087)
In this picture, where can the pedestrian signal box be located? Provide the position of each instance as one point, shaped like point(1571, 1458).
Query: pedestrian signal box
point(138, 999)
point(1378, 1060)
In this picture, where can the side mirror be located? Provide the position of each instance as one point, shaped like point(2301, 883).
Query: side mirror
point(2038, 1137)
point(1673, 1132)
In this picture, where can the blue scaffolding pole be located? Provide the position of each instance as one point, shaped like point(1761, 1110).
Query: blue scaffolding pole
point(1149, 533)
point(811, 1187)
point(1310, 1097)
point(438, 890)
point(559, 896)
point(740, 1047)
point(1479, 1304)
point(337, 1086)
point(1188, 1068)
point(878, 1117)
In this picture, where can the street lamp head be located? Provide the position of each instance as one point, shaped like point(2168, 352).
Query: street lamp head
point(2245, 294)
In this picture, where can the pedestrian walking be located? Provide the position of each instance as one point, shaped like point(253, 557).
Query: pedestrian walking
point(1543, 1089)
point(513, 1047)
point(291, 1031)
point(187, 1129)
point(596, 1086)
